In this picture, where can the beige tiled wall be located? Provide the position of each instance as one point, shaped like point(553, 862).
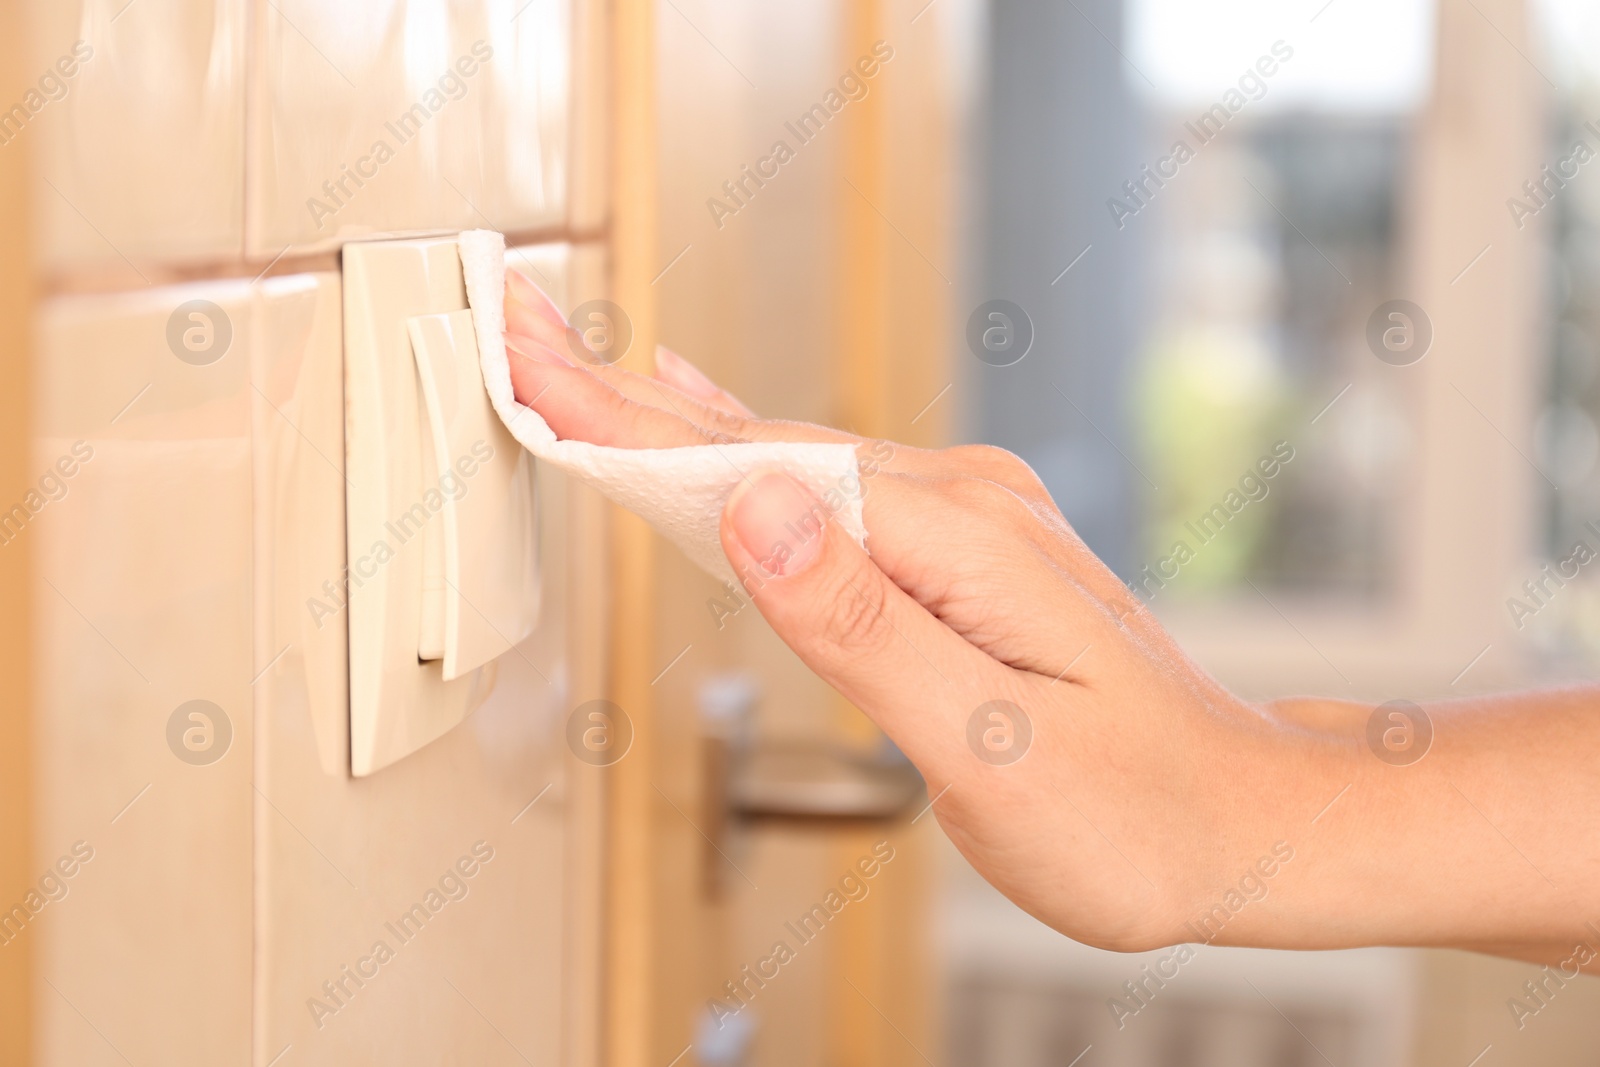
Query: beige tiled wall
point(406, 116)
point(139, 141)
point(143, 586)
point(176, 134)
point(198, 508)
point(183, 139)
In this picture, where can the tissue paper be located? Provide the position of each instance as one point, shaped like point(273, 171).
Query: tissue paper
point(679, 491)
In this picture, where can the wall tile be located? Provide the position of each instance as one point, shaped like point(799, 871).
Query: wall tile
point(142, 536)
point(139, 133)
point(400, 117)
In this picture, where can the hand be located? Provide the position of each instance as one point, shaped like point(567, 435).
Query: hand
point(1079, 760)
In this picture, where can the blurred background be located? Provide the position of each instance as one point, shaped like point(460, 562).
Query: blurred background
point(1354, 237)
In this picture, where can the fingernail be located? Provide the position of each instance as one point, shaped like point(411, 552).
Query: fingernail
point(535, 351)
point(778, 523)
point(530, 296)
point(685, 375)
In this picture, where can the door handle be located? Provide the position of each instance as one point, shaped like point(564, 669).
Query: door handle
point(813, 783)
point(818, 781)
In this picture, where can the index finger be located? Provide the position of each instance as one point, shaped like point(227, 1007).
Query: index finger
point(580, 407)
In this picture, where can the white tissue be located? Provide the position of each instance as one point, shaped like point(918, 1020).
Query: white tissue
point(680, 491)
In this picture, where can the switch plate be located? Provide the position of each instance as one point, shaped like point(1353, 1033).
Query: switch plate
point(395, 504)
point(487, 553)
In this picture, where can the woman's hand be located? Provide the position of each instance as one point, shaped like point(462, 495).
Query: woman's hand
point(1077, 758)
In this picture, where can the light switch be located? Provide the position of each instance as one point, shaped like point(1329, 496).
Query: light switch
point(486, 598)
point(443, 569)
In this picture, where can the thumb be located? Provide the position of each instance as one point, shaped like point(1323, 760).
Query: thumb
point(846, 619)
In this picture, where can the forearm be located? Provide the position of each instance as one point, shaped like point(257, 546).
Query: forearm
point(1487, 841)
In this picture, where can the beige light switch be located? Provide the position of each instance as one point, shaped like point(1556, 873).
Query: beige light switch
point(398, 702)
point(486, 599)
point(440, 504)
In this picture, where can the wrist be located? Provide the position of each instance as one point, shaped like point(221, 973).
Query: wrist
point(1290, 764)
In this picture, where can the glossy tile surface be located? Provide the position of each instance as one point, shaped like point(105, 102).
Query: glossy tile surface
point(138, 134)
point(143, 594)
point(398, 117)
point(185, 558)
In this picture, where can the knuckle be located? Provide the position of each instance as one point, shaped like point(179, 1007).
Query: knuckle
point(997, 464)
point(617, 409)
point(854, 616)
point(724, 424)
point(989, 458)
point(989, 499)
point(717, 437)
point(976, 493)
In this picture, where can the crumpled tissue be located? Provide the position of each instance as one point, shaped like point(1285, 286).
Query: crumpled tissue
point(679, 491)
